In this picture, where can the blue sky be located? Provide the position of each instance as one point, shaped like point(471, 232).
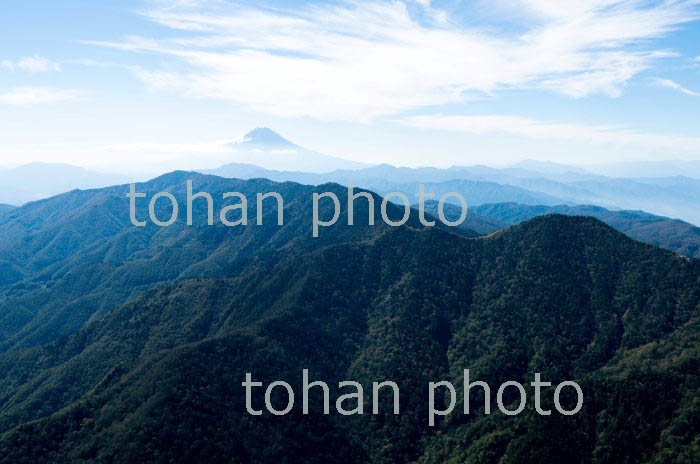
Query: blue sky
point(159, 85)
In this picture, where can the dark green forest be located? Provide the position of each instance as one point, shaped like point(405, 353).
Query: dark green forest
point(129, 345)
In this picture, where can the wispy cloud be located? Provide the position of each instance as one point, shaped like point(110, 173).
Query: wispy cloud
point(139, 156)
point(31, 64)
point(555, 131)
point(37, 95)
point(668, 83)
point(361, 60)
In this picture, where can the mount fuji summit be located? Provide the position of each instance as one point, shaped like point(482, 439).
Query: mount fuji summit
point(265, 148)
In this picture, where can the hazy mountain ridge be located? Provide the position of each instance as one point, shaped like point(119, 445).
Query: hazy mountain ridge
point(36, 181)
point(263, 153)
point(384, 179)
point(671, 234)
point(666, 168)
point(675, 196)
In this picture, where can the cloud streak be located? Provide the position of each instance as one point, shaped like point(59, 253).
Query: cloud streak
point(669, 84)
point(358, 61)
point(37, 95)
point(31, 64)
point(553, 131)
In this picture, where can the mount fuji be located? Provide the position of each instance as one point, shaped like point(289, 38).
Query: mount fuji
point(265, 148)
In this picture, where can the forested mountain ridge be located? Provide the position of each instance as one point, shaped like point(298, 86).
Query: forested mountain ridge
point(70, 258)
point(158, 379)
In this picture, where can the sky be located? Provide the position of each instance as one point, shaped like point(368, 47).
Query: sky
point(165, 84)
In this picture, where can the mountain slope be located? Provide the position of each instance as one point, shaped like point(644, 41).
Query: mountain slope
point(73, 257)
point(481, 223)
point(5, 208)
point(565, 296)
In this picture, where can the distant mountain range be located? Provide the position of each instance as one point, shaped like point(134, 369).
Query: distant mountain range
point(675, 197)
point(628, 169)
point(36, 181)
point(262, 153)
point(666, 168)
point(261, 146)
point(671, 234)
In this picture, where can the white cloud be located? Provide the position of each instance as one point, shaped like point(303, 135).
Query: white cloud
point(668, 83)
point(36, 95)
point(217, 146)
point(555, 131)
point(362, 60)
point(31, 64)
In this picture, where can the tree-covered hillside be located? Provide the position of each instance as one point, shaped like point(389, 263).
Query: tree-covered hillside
point(159, 378)
point(71, 258)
